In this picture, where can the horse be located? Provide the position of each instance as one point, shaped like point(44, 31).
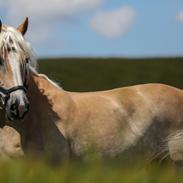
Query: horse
point(143, 121)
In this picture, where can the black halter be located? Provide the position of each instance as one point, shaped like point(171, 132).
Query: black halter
point(9, 91)
point(5, 93)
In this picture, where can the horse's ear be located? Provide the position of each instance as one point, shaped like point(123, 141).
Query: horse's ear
point(0, 25)
point(23, 27)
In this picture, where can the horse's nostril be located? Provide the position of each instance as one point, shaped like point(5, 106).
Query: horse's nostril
point(13, 107)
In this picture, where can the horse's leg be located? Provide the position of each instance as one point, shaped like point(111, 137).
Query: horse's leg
point(10, 143)
point(10, 140)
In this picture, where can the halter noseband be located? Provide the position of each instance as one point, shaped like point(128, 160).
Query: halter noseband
point(5, 93)
point(9, 91)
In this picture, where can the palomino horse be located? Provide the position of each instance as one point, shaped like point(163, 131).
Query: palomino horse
point(143, 120)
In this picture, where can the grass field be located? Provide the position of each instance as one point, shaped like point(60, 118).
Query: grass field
point(99, 74)
point(28, 171)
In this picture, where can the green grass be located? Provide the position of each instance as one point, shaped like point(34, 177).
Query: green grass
point(99, 74)
point(30, 171)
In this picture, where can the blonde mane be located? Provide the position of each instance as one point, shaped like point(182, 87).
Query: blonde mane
point(10, 35)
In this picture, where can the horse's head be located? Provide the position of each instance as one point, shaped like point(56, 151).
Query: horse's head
point(15, 55)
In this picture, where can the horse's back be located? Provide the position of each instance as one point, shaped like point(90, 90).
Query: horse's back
point(158, 99)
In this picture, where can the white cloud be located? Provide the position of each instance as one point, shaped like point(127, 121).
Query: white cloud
point(179, 17)
point(49, 8)
point(45, 15)
point(114, 23)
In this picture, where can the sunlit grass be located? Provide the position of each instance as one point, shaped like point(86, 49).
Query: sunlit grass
point(28, 171)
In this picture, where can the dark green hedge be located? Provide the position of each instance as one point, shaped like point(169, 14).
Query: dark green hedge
point(84, 74)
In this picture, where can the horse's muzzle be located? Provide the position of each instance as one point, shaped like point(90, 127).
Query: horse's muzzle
point(17, 107)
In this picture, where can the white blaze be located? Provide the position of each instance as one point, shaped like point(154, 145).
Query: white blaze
point(15, 67)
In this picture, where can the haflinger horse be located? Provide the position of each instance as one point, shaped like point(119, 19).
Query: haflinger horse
point(138, 121)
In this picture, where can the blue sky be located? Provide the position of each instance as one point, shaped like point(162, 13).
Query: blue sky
point(100, 27)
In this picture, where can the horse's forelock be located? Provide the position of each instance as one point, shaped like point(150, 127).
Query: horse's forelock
point(10, 37)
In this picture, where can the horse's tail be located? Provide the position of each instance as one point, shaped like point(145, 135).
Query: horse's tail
point(175, 145)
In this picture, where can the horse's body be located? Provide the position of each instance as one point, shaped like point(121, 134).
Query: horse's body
point(142, 120)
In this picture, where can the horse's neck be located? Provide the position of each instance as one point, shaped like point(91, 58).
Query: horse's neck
point(45, 88)
point(44, 125)
point(49, 102)
point(41, 85)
